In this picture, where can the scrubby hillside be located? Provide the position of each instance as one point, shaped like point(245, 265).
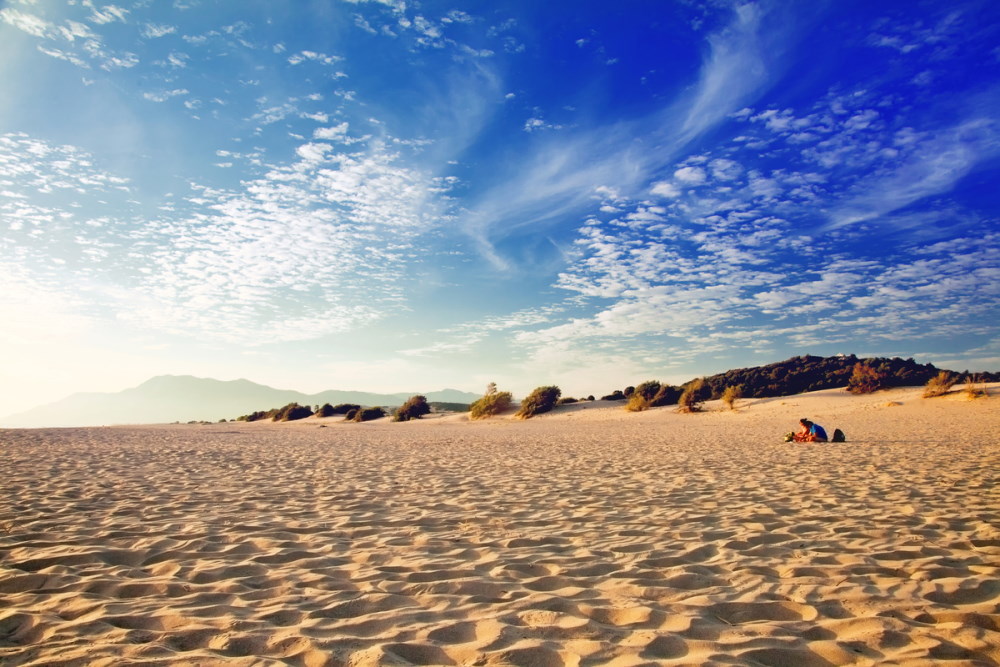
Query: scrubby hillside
point(808, 373)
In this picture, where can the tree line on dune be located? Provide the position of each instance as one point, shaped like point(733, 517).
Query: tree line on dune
point(784, 378)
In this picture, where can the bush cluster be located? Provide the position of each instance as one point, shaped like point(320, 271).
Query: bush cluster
point(365, 414)
point(542, 399)
point(415, 407)
point(810, 373)
point(864, 379)
point(288, 413)
point(691, 398)
point(327, 410)
point(651, 394)
point(492, 403)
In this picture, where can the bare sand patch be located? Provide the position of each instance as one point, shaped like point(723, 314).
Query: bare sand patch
point(585, 536)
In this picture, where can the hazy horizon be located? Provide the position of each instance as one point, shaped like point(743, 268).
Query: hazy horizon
point(392, 195)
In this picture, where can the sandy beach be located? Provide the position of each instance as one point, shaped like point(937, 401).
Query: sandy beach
point(587, 536)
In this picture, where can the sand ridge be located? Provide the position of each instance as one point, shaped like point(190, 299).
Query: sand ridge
point(587, 536)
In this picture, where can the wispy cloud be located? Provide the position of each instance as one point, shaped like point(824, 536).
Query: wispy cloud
point(558, 176)
point(314, 247)
point(736, 69)
point(164, 95)
point(933, 166)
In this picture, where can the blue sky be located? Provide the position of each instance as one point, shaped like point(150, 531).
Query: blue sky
point(395, 195)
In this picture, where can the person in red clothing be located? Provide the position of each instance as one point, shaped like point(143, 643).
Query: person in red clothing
point(809, 432)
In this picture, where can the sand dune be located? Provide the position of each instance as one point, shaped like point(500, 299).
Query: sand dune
point(588, 536)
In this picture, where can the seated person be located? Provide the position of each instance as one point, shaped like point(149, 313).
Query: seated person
point(809, 432)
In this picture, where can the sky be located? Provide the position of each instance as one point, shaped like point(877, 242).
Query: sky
point(396, 195)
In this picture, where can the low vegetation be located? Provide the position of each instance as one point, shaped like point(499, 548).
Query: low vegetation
point(865, 379)
point(415, 407)
point(731, 395)
point(492, 403)
point(785, 378)
point(542, 399)
point(651, 394)
point(366, 414)
point(811, 373)
point(940, 384)
point(327, 410)
point(691, 398)
point(975, 387)
point(290, 412)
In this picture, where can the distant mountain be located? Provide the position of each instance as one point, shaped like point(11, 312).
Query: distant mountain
point(170, 398)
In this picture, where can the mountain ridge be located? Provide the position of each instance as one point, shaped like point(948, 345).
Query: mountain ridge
point(171, 398)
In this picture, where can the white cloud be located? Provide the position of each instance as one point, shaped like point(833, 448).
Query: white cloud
point(29, 23)
point(537, 124)
point(665, 189)
point(725, 170)
point(735, 70)
point(63, 55)
point(313, 152)
point(690, 175)
point(164, 95)
point(319, 117)
point(331, 133)
point(932, 167)
point(105, 14)
point(313, 56)
point(312, 248)
point(154, 31)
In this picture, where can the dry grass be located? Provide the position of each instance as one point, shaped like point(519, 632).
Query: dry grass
point(731, 395)
point(975, 388)
point(636, 403)
point(940, 384)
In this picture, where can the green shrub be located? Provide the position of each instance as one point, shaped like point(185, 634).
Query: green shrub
point(542, 399)
point(646, 389)
point(414, 408)
point(292, 412)
point(567, 401)
point(616, 395)
point(666, 395)
point(351, 414)
point(940, 384)
point(368, 414)
point(690, 399)
point(864, 379)
point(256, 416)
point(652, 394)
point(492, 403)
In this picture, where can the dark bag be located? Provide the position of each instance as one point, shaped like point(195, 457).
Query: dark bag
point(838, 436)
